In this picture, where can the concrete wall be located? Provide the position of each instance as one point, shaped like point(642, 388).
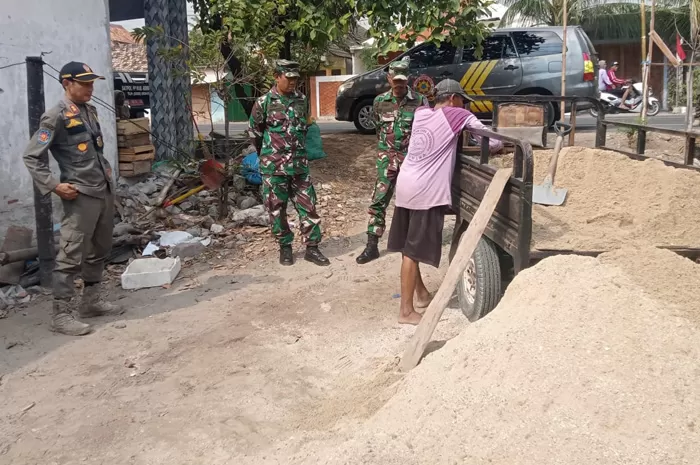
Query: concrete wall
point(74, 30)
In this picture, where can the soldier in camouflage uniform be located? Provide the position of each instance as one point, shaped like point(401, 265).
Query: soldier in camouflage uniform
point(278, 125)
point(393, 116)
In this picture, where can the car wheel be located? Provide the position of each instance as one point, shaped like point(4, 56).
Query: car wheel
point(363, 117)
point(480, 288)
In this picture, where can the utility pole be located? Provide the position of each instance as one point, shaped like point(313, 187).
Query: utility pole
point(43, 210)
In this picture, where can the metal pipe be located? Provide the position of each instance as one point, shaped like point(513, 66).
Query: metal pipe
point(43, 210)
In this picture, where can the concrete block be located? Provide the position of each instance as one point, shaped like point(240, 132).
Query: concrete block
point(150, 272)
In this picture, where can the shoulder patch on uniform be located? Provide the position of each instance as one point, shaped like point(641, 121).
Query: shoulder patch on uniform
point(43, 136)
point(73, 123)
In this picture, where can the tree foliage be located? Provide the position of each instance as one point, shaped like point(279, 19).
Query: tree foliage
point(304, 29)
point(601, 19)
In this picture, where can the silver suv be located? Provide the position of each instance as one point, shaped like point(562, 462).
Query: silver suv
point(515, 61)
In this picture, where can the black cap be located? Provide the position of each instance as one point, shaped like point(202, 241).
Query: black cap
point(80, 72)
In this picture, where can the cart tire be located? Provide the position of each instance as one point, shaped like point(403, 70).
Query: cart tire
point(480, 288)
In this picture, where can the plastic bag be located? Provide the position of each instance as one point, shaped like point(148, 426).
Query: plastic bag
point(250, 169)
point(314, 145)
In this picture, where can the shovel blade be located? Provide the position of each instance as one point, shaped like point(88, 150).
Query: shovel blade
point(546, 194)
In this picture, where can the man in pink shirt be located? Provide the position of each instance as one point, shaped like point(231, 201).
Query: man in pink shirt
point(423, 190)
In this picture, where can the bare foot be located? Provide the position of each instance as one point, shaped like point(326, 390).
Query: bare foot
point(424, 301)
point(412, 318)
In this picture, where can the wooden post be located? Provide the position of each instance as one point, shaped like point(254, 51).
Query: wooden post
point(565, 14)
point(647, 69)
point(465, 249)
point(643, 12)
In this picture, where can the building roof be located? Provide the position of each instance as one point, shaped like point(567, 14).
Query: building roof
point(120, 34)
point(129, 58)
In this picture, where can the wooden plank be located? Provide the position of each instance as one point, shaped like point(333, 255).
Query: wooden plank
point(136, 149)
point(134, 140)
point(465, 249)
point(133, 126)
point(136, 167)
point(138, 157)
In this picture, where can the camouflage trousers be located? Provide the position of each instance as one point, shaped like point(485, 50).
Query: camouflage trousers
point(388, 164)
point(277, 190)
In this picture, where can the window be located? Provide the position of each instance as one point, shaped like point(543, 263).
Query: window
point(336, 72)
point(495, 48)
point(535, 45)
point(431, 55)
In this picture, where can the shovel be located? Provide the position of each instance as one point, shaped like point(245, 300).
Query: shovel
point(545, 193)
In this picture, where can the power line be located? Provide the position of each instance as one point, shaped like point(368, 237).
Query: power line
point(113, 110)
point(13, 64)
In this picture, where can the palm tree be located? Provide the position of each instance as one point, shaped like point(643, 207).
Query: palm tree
point(601, 19)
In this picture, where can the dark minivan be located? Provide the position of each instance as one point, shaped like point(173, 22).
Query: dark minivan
point(515, 61)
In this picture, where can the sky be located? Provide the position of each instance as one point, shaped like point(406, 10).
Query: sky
point(134, 23)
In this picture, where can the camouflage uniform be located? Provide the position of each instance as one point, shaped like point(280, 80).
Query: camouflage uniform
point(278, 123)
point(393, 118)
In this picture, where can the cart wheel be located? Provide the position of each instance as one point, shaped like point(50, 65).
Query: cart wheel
point(479, 289)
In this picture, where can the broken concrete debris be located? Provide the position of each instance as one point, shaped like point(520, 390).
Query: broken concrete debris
point(256, 216)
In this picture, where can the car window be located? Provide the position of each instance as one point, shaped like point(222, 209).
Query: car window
point(535, 44)
point(431, 55)
point(495, 48)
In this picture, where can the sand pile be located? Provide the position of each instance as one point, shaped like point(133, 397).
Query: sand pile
point(579, 364)
point(613, 201)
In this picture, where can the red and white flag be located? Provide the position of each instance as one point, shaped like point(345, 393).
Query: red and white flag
point(679, 48)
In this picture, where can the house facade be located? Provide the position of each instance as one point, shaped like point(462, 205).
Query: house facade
point(32, 28)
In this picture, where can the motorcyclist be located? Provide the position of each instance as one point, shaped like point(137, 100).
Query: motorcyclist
point(616, 87)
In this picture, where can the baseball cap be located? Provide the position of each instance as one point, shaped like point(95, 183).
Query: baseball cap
point(76, 71)
point(288, 68)
point(450, 87)
point(399, 70)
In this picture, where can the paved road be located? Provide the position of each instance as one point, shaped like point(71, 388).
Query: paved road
point(584, 122)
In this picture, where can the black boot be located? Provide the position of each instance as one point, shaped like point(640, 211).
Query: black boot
point(286, 255)
point(371, 251)
point(315, 256)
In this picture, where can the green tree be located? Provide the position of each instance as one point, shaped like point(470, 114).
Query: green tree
point(261, 26)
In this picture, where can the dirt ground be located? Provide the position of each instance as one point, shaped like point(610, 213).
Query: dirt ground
point(240, 358)
point(236, 358)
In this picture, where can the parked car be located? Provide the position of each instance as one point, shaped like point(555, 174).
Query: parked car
point(136, 90)
point(515, 61)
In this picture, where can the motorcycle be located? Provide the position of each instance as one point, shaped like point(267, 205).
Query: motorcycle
point(611, 103)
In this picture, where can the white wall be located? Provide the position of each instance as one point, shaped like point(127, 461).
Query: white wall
point(72, 30)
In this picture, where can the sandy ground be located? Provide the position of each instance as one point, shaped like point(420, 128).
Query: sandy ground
point(231, 360)
point(240, 361)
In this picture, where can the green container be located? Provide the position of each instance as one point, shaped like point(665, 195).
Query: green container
point(236, 112)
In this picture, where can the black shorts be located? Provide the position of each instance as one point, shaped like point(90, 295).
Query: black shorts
point(417, 234)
